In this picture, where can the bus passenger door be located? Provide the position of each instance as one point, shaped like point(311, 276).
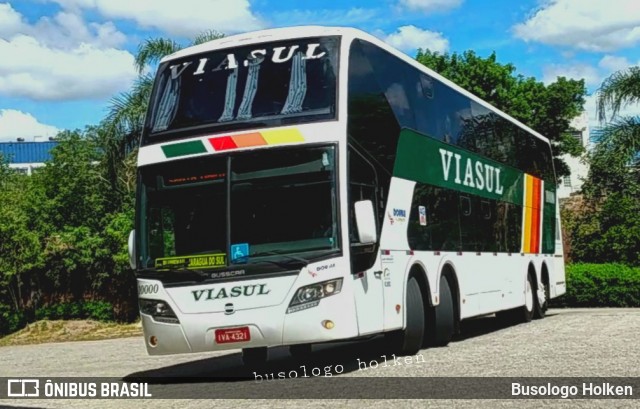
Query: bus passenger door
point(365, 263)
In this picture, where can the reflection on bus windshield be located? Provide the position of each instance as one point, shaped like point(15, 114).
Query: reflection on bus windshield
point(282, 201)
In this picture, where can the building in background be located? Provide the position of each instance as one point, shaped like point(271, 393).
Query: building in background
point(579, 168)
point(26, 156)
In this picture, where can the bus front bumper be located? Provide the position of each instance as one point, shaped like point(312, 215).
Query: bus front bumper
point(334, 318)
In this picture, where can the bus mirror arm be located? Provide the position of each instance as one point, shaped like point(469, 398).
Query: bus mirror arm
point(132, 249)
point(366, 222)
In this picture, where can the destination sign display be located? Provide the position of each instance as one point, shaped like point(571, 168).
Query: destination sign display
point(192, 262)
point(184, 180)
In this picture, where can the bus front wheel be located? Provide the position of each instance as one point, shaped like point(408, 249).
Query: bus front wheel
point(409, 341)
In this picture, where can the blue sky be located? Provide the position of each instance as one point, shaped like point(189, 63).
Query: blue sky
point(61, 61)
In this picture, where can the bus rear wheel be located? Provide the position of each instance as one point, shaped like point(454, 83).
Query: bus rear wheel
point(440, 325)
point(252, 357)
point(520, 314)
point(526, 311)
point(409, 341)
point(542, 300)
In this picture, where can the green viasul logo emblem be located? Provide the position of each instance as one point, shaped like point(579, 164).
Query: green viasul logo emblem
point(430, 161)
point(477, 175)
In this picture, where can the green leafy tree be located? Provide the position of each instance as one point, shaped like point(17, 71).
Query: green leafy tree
point(20, 249)
point(547, 109)
point(118, 135)
point(606, 228)
point(127, 111)
point(619, 90)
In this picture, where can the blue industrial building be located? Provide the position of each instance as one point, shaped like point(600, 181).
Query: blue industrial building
point(26, 156)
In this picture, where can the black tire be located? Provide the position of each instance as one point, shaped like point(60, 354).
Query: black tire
point(525, 313)
point(254, 357)
point(300, 351)
point(541, 307)
point(409, 341)
point(441, 322)
point(520, 314)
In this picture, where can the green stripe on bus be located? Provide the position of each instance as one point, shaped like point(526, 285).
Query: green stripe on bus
point(183, 148)
point(423, 159)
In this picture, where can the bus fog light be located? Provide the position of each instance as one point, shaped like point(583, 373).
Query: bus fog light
point(328, 324)
point(153, 341)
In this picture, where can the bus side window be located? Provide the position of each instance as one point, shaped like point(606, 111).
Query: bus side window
point(362, 186)
point(465, 205)
point(438, 229)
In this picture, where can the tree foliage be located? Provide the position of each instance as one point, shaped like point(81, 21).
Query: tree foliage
point(620, 89)
point(62, 235)
point(606, 228)
point(548, 109)
point(64, 229)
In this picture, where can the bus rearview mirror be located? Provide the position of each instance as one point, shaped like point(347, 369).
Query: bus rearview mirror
point(366, 222)
point(132, 249)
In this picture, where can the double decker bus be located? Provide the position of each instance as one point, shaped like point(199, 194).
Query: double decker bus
point(313, 184)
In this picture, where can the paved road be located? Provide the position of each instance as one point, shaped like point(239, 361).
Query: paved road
point(570, 343)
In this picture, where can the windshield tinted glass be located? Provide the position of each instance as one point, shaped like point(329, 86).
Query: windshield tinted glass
point(281, 202)
point(279, 83)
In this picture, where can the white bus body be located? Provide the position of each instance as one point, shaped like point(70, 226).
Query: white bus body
point(255, 311)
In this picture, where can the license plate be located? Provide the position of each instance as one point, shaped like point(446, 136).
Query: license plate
point(225, 336)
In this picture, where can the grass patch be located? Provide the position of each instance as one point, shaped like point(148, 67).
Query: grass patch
point(44, 331)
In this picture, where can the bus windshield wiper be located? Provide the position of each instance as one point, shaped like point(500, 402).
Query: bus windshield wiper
point(289, 262)
point(181, 267)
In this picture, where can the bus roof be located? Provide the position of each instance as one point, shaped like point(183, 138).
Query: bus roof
point(285, 33)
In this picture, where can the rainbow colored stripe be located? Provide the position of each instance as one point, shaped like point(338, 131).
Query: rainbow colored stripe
point(229, 142)
point(532, 210)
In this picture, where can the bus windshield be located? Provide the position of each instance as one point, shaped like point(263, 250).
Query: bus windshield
point(270, 84)
point(237, 209)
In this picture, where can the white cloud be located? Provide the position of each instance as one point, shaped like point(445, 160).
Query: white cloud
point(17, 124)
point(428, 6)
point(175, 17)
point(35, 71)
point(10, 20)
point(348, 17)
point(61, 58)
point(586, 25)
point(592, 74)
point(410, 38)
point(587, 72)
point(67, 30)
point(613, 63)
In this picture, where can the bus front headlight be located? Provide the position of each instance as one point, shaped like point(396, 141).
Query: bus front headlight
point(309, 296)
point(160, 311)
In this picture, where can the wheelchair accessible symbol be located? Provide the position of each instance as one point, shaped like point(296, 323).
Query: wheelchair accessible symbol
point(239, 252)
